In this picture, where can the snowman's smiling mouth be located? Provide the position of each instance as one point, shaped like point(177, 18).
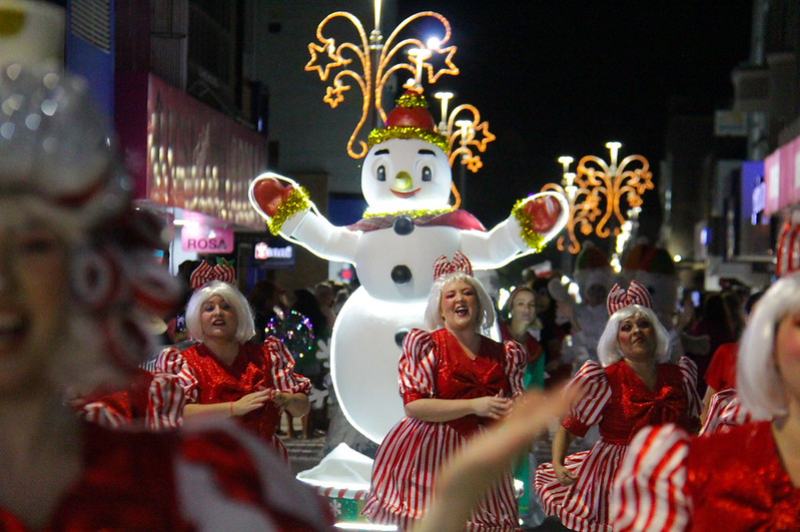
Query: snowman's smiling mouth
point(405, 194)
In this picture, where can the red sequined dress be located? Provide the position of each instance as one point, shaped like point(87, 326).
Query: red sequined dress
point(618, 401)
point(433, 365)
point(732, 480)
point(205, 380)
point(207, 477)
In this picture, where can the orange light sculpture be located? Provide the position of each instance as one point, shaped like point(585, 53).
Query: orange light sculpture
point(375, 59)
point(596, 190)
point(464, 131)
point(370, 63)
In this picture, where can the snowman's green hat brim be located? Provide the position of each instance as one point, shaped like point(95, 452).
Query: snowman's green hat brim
point(378, 136)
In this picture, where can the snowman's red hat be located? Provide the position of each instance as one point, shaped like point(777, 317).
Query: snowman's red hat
point(410, 120)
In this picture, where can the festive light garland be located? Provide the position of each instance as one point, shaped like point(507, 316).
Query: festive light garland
point(416, 213)
point(377, 136)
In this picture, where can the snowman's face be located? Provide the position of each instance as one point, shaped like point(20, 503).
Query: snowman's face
point(406, 174)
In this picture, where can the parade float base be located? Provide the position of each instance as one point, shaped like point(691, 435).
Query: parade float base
point(343, 478)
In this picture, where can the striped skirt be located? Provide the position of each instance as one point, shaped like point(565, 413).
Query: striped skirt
point(404, 474)
point(584, 505)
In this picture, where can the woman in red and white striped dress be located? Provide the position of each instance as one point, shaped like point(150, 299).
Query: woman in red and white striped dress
point(634, 388)
point(227, 375)
point(743, 477)
point(454, 381)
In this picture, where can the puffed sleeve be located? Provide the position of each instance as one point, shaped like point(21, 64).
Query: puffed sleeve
point(416, 366)
point(282, 364)
point(725, 410)
point(715, 407)
point(689, 371)
point(166, 400)
point(649, 490)
point(108, 414)
point(593, 392)
point(516, 360)
point(171, 362)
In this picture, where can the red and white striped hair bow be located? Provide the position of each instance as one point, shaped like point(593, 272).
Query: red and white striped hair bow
point(222, 271)
point(443, 267)
point(788, 250)
point(635, 295)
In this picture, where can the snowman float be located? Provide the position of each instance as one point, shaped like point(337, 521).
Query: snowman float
point(406, 180)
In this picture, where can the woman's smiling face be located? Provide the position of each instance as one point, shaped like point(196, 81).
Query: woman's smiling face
point(459, 306)
point(34, 281)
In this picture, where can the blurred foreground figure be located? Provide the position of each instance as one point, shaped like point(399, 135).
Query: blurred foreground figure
point(78, 281)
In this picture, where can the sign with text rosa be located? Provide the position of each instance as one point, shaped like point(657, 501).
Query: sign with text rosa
point(204, 239)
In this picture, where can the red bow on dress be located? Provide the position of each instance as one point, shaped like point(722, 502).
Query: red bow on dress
point(635, 295)
point(443, 267)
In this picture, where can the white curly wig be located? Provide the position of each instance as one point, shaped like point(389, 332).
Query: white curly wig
point(758, 381)
point(608, 349)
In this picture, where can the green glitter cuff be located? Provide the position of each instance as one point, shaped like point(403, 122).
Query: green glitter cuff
point(296, 202)
point(534, 240)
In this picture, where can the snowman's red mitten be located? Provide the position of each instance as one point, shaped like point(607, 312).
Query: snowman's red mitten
point(277, 202)
point(536, 216)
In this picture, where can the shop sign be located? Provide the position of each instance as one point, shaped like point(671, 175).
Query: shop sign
point(204, 239)
point(281, 256)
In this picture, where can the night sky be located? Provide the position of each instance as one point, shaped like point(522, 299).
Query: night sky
point(560, 77)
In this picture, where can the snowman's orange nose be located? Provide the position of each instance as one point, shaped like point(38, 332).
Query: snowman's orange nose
point(403, 181)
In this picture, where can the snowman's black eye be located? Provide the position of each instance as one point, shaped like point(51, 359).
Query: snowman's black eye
point(427, 175)
point(381, 173)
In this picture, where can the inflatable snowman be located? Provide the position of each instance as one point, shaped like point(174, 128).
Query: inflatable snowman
point(406, 180)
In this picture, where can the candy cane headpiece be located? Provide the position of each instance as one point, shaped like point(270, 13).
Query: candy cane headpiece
point(443, 267)
point(222, 271)
point(635, 295)
point(788, 250)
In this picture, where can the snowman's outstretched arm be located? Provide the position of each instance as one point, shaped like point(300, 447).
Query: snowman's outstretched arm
point(288, 211)
point(315, 233)
point(533, 222)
